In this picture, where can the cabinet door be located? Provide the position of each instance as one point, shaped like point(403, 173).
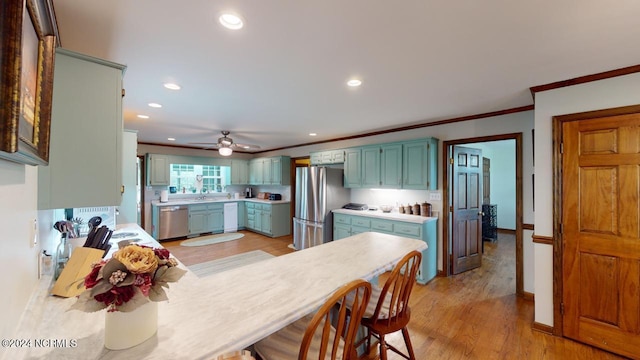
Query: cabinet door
point(432, 164)
point(391, 166)
point(371, 167)
point(341, 231)
point(158, 169)
point(265, 223)
point(256, 176)
point(258, 220)
point(239, 172)
point(415, 167)
point(198, 222)
point(85, 152)
point(276, 171)
point(215, 220)
point(352, 168)
point(338, 156)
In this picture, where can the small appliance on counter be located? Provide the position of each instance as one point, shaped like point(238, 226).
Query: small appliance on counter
point(355, 206)
point(164, 196)
point(173, 189)
point(248, 193)
point(275, 197)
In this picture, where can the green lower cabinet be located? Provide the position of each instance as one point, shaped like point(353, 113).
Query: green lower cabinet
point(205, 218)
point(268, 219)
point(349, 225)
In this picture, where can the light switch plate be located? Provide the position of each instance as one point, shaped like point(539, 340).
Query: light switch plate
point(435, 196)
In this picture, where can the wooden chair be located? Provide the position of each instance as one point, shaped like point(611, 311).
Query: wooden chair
point(389, 310)
point(329, 334)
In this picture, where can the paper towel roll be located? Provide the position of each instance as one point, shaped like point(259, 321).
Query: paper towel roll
point(164, 195)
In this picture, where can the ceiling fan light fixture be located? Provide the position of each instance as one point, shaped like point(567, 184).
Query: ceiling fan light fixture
point(225, 151)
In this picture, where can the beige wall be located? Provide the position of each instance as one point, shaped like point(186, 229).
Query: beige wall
point(597, 95)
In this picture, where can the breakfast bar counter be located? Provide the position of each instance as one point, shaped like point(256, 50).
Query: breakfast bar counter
point(226, 311)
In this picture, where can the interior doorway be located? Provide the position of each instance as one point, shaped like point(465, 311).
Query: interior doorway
point(448, 233)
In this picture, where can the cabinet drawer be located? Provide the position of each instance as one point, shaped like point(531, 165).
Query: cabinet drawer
point(250, 205)
point(215, 207)
point(405, 229)
point(382, 225)
point(359, 229)
point(198, 207)
point(342, 219)
point(266, 208)
point(251, 211)
point(251, 216)
point(362, 222)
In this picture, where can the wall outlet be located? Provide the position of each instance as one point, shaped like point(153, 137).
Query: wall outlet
point(435, 196)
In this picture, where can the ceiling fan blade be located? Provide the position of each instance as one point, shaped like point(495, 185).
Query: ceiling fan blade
point(246, 146)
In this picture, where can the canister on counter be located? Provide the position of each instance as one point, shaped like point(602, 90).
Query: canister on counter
point(408, 209)
point(416, 209)
point(426, 209)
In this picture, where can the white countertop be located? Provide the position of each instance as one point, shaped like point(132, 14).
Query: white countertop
point(221, 312)
point(215, 200)
point(389, 216)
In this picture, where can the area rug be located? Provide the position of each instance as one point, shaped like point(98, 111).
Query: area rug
point(211, 239)
point(228, 263)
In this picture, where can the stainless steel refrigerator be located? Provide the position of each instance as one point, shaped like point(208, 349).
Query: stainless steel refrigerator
point(318, 191)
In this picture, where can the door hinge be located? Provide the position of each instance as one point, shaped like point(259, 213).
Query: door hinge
point(561, 228)
point(450, 208)
point(380, 150)
point(562, 148)
point(123, 92)
point(562, 308)
point(451, 161)
point(428, 147)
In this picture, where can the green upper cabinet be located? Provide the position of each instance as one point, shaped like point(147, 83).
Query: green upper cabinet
point(158, 169)
point(270, 171)
point(327, 157)
point(353, 168)
point(239, 172)
point(85, 153)
point(399, 165)
point(371, 166)
point(420, 164)
point(391, 166)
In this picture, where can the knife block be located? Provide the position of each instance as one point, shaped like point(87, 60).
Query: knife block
point(78, 266)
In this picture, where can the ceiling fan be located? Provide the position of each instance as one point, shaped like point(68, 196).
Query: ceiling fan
point(225, 145)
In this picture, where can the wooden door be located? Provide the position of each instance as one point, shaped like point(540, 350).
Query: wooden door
point(466, 216)
point(600, 233)
point(486, 181)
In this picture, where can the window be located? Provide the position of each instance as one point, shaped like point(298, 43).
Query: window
point(199, 178)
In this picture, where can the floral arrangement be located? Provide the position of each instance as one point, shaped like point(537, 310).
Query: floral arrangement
point(133, 276)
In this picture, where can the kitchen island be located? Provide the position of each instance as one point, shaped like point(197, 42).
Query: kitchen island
point(219, 313)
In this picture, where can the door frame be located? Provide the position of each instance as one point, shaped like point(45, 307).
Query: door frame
point(446, 155)
point(558, 209)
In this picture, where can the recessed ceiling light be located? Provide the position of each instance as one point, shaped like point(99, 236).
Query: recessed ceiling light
point(172, 86)
point(312, 134)
point(231, 21)
point(171, 139)
point(354, 82)
point(143, 116)
point(155, 105)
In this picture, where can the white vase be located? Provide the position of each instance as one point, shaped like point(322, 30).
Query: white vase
point(123, 330)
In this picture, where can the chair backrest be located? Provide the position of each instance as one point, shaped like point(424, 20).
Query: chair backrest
point(392, 309)
point(336, 321)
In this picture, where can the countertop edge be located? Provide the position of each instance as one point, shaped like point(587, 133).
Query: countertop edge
point(387, 216)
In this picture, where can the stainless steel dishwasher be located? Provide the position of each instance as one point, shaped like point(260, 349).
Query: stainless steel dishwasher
point(173, 222)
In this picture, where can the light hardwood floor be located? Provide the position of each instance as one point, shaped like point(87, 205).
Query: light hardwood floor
point(474, 315)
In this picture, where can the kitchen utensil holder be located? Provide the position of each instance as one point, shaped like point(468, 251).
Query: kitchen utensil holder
point(63, 252)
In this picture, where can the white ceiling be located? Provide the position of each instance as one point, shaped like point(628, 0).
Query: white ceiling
point(283, 75)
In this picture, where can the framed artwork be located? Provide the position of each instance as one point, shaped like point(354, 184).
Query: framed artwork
point(28, 38)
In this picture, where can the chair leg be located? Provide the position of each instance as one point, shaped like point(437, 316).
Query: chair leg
point(383, 348)
point(407, 341)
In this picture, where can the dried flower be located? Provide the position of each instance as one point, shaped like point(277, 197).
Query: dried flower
point(135, 275)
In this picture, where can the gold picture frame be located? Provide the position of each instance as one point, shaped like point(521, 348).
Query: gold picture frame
point(28, 38)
